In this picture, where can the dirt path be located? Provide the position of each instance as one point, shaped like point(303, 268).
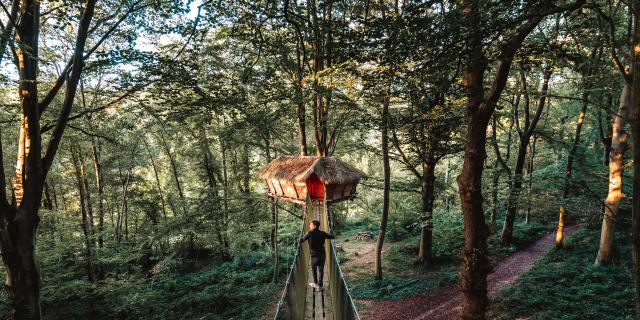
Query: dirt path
point(446, 302)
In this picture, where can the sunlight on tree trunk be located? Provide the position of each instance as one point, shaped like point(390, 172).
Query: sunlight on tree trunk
point(616, 164)
point(635, 107)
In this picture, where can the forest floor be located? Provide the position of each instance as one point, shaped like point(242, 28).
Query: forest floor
point(445, 302)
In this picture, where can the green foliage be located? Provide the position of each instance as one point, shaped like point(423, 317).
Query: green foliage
point(220, 290)
point(394, 287)
point(566, 284)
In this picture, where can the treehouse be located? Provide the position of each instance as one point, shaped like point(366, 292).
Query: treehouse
point(291, 178)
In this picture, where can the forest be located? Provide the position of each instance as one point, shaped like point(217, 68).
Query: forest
point(161, 159)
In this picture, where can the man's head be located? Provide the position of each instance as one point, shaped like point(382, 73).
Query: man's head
point(315, 224)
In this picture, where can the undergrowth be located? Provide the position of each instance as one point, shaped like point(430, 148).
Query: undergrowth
point(238, 289)
point(566, 284)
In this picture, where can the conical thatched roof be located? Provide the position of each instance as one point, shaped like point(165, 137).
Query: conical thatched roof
point(330, 170)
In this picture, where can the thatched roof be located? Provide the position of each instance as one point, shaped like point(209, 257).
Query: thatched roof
point(330, 170)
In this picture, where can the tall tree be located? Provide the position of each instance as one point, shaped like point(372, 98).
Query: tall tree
point(524, 133)
point(384, 138)
point(87, 226)
point(618, 145)
point(19, 219)
point(635, 126)
point(614, 195)
point(480, 104)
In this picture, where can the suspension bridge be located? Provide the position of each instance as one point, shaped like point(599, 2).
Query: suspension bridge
point(315, 183)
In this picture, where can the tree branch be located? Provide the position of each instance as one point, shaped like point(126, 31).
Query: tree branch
point(541, 102)
point(91, 134)
point(527, 101)
point(7, 30)
point(127, 94)
point(509, 48)
point(394, 139)
point(72, 84)
point(613, 45)
point(4, 201)
point(496, 148)
point(42, 106)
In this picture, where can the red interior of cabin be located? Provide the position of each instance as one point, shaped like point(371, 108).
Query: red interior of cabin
point(315, 187)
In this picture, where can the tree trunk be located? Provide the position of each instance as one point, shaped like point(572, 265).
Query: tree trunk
point(635, 125)
point(387, 185)
point(475, 263)
point(218, 207)
point(246, 174)
point(7, 31)
point(118, 218)
point(322, 58)
point(605, 139)
point(55, 196)
point(274, 239)
point(525, 137)
point(274, 217)
point(174, 170)
point(87, 194)
point(512, 202)
point(426, 235)
point(532, 151)
point(86, 229)
point(616, 164)
point(301, 115)
point(574, 146)
point(63, 199)
point(47, 197)
point(495, 184)
point(569, 170)
point(225, 199)
point(157, 179)
point(19, 220)
point(97, 167)
point(123, 216)
point(446, 183)
point(500, 164)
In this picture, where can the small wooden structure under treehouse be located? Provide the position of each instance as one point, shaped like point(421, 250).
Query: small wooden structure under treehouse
point(315, 183)
point(292, 178)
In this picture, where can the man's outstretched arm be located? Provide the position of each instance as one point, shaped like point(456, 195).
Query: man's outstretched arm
point(305, 237)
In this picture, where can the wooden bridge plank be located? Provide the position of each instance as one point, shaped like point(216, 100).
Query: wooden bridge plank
point(328, 306)
point(318, 304)
point(318, 307)
point(308, 305)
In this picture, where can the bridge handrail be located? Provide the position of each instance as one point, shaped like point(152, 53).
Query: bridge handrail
point(288, 282)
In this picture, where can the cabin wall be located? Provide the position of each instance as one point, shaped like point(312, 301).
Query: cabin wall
point(297, 191)
point(287, 189)
point(337, 192)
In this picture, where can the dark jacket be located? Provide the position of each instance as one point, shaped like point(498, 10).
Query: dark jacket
point(316, 241)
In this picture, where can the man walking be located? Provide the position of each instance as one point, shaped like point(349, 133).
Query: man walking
point(316, 239)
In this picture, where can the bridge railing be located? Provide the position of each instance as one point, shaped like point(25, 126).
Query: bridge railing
point(292, 302)
point(343, 306)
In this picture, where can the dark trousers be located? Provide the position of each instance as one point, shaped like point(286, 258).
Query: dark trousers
point(317, 265)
